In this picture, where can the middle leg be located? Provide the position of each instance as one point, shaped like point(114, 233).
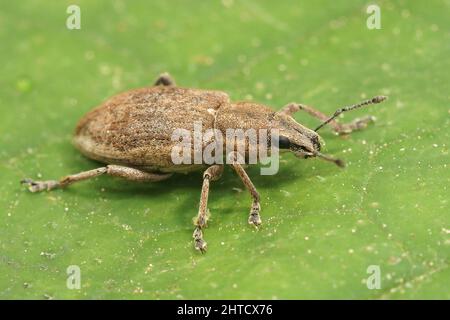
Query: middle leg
point(213, 173)
point(254, 218)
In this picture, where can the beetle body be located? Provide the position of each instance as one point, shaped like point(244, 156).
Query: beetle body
point(135, 128)
point(132, 133)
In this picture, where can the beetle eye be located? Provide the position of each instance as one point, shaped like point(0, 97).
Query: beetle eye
point(283, 143)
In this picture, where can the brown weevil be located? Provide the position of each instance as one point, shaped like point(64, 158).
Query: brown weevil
point(131, 133)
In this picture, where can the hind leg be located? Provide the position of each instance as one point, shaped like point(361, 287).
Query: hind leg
point(112, 170)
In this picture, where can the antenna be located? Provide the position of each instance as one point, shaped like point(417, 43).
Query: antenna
point(374, 100)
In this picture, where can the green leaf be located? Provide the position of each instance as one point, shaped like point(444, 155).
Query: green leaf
point(323, 226)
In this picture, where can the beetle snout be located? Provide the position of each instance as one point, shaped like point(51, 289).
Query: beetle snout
point(302, 146)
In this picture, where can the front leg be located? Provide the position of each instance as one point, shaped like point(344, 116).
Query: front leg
point(254, 217)
point(339, 128)
point(213, 173)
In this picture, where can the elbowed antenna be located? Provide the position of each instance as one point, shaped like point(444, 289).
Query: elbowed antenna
point(374, 100)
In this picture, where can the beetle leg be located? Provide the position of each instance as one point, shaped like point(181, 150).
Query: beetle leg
point(133, 174)
point(339, 128)
point(165, 79)
point(289, 109)
point(254, 217)
point(213, 173)
point(357, 124)
point(112, 170)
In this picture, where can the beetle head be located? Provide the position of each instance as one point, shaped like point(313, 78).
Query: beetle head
point(292, 136)
point(303, 142)
point(295, 137)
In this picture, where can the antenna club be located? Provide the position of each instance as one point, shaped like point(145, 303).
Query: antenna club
point(379, 99)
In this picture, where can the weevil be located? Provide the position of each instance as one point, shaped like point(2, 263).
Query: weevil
point(131, 134)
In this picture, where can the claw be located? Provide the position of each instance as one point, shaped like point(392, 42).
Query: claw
point(255, 220)
point(357, 124)
point(199, 243)
point(362, 123)
point(254, 217)
point(36, 186)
